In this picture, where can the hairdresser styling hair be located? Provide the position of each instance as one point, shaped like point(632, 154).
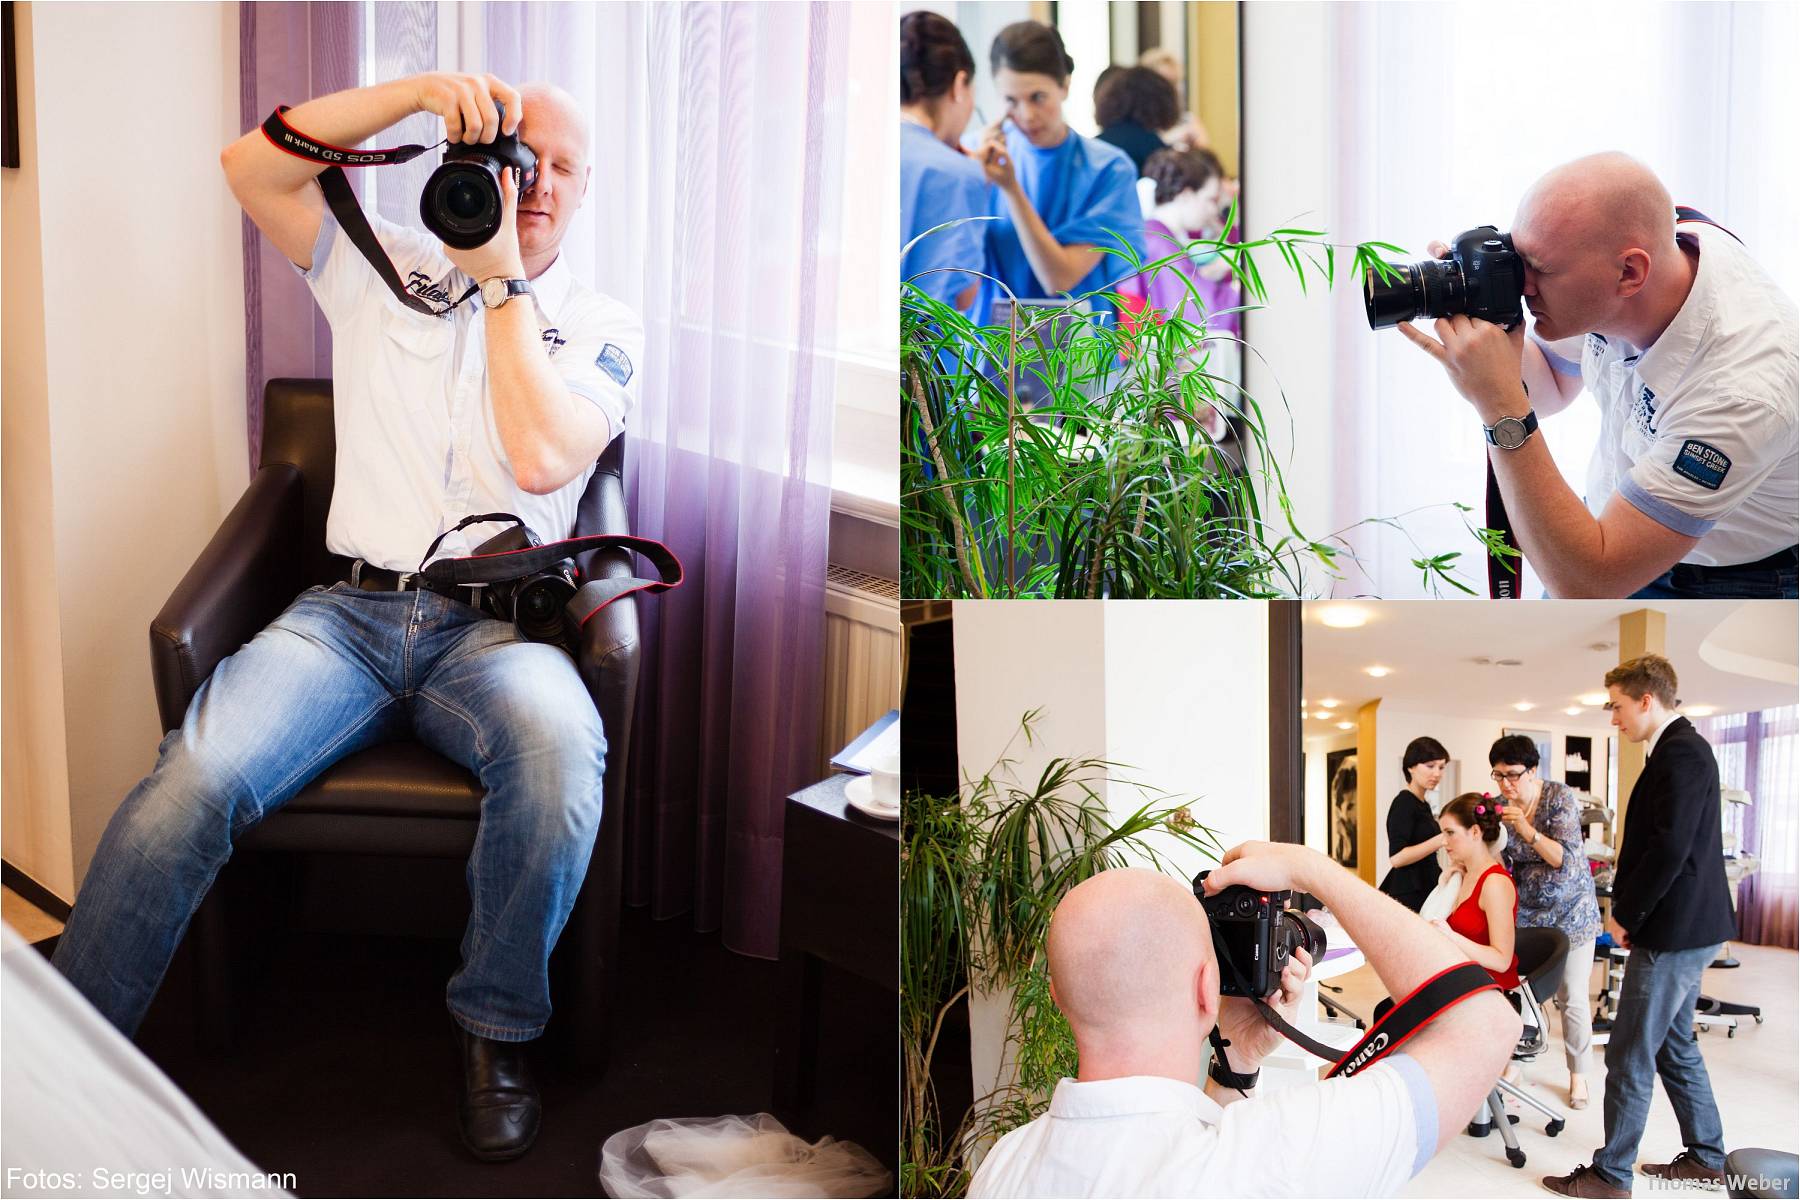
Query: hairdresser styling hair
point(1134, 968)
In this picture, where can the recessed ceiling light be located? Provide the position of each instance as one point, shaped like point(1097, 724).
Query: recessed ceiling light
point(1378, 672)
point(1328, 703)
point(1344, 616)
point(1524, 706)
point(1512, 662)
point(1346, 725)
point(1593, 699)
point(1698, 710)
point(1573, 712)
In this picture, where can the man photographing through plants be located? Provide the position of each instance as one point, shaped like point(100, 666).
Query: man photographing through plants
point(1689, 348)
point(1134, 969)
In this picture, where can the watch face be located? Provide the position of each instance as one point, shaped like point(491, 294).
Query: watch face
point(493, 292)
point(1509, 433)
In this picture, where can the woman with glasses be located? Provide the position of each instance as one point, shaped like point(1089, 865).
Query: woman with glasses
point(1412, 831)
point(1556, 889)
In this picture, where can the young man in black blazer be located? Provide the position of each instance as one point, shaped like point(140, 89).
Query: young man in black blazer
point(1672, 909)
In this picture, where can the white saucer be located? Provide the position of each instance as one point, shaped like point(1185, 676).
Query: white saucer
point(860, 792)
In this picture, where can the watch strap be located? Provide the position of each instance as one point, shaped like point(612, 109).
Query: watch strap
point(1220, 1071)
point(514, 287)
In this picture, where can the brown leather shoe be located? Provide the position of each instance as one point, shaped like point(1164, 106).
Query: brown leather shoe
point(1584, 1181)
point(1686, 1168)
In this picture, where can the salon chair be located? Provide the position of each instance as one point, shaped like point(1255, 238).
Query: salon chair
point(1541, 953)
point(399, 799)
point(1761, 1174)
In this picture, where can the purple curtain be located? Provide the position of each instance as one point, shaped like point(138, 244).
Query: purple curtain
point(1757, 753)
point(713, 211)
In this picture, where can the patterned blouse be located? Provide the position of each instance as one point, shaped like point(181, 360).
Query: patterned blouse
point(1562, 898)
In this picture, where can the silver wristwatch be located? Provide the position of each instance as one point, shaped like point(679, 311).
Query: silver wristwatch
point(1509, 433)
point(497, 291)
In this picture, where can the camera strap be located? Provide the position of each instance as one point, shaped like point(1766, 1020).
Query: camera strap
point(1503, 574)
point(341, 199)
point(589, 599)
point(1436, 995)
point(1684, 213)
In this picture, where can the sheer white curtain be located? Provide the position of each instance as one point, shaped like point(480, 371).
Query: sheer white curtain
point(1760, 753)
point(1439, 115)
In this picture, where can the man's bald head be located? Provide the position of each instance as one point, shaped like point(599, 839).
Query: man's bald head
point(556, 106)
point(1598, 239)
point(1126, 949)
point(1608, 202)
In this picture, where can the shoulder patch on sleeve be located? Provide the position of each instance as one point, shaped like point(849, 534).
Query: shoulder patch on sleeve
point(1703, 464)
point(612, 360)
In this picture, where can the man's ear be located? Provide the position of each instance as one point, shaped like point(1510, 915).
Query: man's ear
point(1634, 272)
point(1206, 991)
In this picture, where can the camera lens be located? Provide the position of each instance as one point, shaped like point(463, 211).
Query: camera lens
point(461, 202)
point(1393, 300)
point(537, 609)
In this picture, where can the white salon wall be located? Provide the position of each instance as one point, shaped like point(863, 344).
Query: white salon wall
point(1187, 708)
point(131, 426)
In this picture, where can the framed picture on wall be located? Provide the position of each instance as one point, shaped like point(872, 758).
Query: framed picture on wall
point(1340, 791)
point(1578, 764)
point(1541, 739)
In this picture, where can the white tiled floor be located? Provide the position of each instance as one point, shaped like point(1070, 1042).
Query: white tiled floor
point(1755, 1078)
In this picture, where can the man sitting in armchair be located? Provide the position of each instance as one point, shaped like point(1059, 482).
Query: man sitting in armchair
point(501, 405)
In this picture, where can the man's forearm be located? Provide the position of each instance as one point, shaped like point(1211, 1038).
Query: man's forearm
point(1404, 950)
point(542, 425)
point(342, 119)
point(1558, 535)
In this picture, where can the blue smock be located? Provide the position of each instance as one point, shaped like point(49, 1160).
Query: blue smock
point(939, 184)
point(1086, 192)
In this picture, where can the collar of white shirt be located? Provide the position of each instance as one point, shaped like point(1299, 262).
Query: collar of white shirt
point(1656, 737)
point(551, 288)
point(1131, 1095)
point(1666, 361)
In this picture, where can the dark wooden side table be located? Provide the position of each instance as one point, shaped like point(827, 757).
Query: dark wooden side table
point(840, 896)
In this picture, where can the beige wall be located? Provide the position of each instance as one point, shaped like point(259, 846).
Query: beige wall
point(137, 449)
point(34, 767)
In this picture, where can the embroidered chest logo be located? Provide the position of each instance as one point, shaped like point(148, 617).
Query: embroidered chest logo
point(420, 285)
point(554, 340)
point(1643, 412)
point(1703, 464)
point(612, 360)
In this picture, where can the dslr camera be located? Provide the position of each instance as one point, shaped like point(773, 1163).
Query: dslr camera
point(461, 201)
point(534, 603)
point(1483, 277)
point(1256, 932)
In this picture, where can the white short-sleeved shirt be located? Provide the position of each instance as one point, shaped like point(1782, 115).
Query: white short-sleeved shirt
point(417, 447)
point(1152, 1136)
point(1699, 431)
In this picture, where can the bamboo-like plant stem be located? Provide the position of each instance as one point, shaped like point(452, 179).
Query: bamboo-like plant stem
point(1012, 441)
point(958, 542)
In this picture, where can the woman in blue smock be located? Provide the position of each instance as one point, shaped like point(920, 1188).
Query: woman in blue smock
point(1060, 197)
point(938, 182)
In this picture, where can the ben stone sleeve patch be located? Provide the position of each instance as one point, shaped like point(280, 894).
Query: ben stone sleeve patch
point(612, 360)
point(1701, 463)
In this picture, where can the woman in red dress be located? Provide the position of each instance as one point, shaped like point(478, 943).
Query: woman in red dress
point(1483, 923)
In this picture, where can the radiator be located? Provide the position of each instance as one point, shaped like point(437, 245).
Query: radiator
point(862, 656)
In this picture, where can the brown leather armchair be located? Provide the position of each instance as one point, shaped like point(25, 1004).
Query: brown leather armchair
point(399, 799)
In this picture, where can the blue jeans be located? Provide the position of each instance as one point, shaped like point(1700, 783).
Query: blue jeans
point(1773, 578)
point(1653, 1034)
point(341, 670)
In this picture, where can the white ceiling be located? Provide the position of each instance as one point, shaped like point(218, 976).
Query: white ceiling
point(1731, 655)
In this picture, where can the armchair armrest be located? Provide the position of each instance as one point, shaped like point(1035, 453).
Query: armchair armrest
point(241, 581)
point(607, 657)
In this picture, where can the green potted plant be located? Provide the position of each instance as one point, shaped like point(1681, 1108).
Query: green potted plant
point(1107, 483)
